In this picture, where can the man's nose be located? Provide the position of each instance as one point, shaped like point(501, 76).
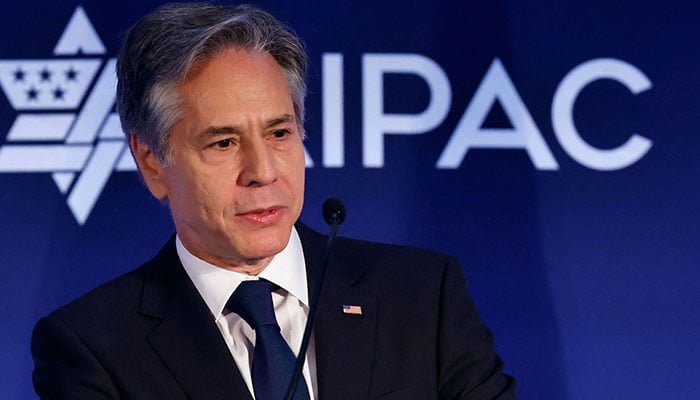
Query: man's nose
point(258, 167)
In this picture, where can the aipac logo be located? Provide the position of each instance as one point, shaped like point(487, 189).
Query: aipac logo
point(65, 123)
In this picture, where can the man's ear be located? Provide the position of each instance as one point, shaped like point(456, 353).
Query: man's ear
point(152, 171)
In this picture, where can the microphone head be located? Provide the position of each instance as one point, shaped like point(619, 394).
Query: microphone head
point(333, 211)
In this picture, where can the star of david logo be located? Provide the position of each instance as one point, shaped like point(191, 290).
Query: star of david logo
point(66, 124)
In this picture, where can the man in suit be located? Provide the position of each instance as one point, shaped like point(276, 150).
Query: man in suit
point(212, 101)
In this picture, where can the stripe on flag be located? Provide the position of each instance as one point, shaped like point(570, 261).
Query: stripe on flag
point(353, 310)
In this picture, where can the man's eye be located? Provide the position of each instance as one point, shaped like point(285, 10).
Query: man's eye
point(280, 133)
point(222, 144)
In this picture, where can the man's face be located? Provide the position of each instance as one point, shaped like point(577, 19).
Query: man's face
point(236, 183)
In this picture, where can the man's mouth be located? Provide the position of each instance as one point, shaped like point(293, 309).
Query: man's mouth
point(263, 216)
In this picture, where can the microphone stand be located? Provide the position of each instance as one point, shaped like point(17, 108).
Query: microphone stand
point(334, 214)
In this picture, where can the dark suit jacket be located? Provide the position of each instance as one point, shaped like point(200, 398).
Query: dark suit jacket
point(149, 335)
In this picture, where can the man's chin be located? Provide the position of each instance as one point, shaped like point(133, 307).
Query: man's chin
point(260, 247)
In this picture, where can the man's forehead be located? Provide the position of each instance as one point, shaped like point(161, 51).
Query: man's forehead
point(204, 59)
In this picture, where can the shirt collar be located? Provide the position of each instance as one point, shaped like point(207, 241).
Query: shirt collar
point(287, 270)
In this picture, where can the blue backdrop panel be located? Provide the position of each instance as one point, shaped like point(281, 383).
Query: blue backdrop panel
point(552, 147)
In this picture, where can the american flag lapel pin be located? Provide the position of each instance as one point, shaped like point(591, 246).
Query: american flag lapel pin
point(352, 310)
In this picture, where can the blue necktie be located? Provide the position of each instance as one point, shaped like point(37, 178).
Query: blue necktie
point(273, 360)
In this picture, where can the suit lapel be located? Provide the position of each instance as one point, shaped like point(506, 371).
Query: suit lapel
point(187, 340)
point(190, 345)
point(344, 342)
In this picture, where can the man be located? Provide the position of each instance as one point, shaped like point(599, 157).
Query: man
point(212, 101)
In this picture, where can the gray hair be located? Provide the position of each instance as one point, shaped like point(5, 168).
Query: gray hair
point(163, 46)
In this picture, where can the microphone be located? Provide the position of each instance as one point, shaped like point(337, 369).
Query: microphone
point(334, 215)
point(333, 211)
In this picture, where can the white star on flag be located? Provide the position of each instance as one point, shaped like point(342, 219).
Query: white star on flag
point(47, 84)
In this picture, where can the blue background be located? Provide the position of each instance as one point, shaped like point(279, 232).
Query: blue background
point(589, 279)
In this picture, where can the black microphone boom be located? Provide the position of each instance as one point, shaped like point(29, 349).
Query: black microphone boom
point(334, 214)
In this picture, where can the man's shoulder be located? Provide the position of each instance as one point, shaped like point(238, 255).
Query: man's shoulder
point(365, 248)
point(113, 298)
point(404, 267)
point(383, 262)
point(390, 253)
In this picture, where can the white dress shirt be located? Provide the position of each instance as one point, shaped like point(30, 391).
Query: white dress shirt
point(288, 271)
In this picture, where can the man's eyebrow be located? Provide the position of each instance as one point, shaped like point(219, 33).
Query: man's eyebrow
point(283, 119)
point(229, 129)
point(221, 130)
